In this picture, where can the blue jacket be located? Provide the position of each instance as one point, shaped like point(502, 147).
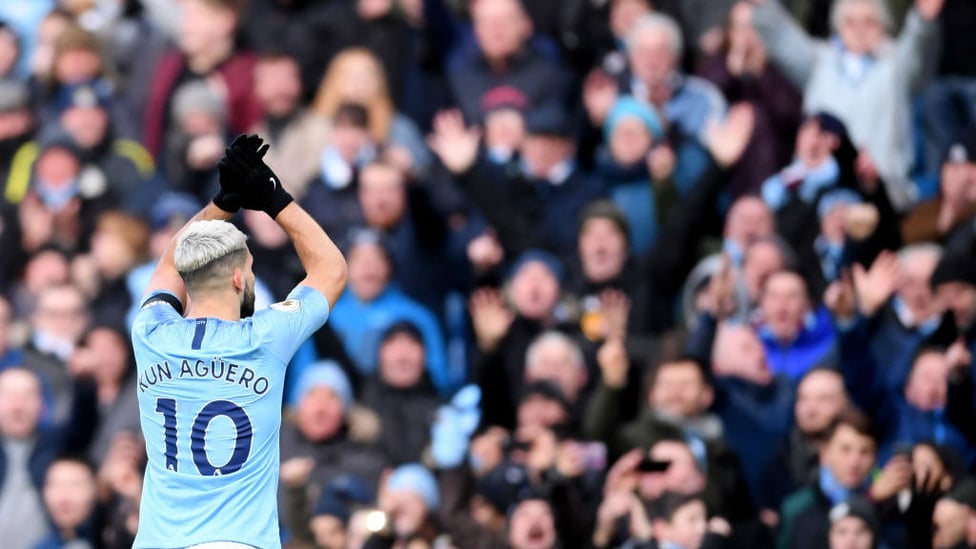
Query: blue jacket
point(756, 419)
point(814, 345)
point(360, 325)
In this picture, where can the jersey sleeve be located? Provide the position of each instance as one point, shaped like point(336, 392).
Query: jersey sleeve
point(157, 308)
point(285, 325)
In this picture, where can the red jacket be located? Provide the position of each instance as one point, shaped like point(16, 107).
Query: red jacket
point(243, 109)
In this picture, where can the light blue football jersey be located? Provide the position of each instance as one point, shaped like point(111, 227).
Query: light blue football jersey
point(210, 396)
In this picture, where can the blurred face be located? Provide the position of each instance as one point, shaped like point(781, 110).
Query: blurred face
point(851, 533)
point(61, 313)
point(329, 532)
point(679, 390)
point(820, 397)
point(111, 354)
point(500, 26)
point(535, 291)
point(320, 414)
point(542, 153)
point(630, 142)
point(113, 255)
point(914, 273)
point(539, 411)
point(48, 268)
point(813, 146)
point(382, 196)
point(278, 85)
point(401, 361)
point(603, 250)
point(860, 27)
point(74, 66)
point(738, 352)
point(203, 26)
point(682, 476)
point(87, 125)
point(623, 13)
point(833, 222)
point(532, 526)
point(557, 362)
point(408, 511)
point(359, 80)
point(950, 520)
point(505, 128)
point(783, 304)
point(369, 271)
point(20, 403)
point(15, 123)
point(960, 298)
point(653, 58)
point(749, 219)
point(687, 526)
point(741, 34)
point(57, 167)
point(926, 388)
point(349, 140)
point(849, 455)
point(69, 494)
point(958, 184)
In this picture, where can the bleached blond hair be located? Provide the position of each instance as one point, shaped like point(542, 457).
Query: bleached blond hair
point(655, 22)
point(208, 248)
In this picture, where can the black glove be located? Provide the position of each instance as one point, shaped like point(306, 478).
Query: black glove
point(245, 180)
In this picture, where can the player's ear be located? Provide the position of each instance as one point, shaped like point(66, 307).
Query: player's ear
point(238, 278)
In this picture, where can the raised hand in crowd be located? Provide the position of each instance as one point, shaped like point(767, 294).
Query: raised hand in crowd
point(727, 140)
point(485, 252)
point(491, 317)
point(615, 307)
point(616, 505)
point(614, 363)
point(488, 449)
point(873, 287)
point(895, 476)
point(718, 299)
point(295, 471)
point(958, 359)
point(840, 297)
point(454, 144)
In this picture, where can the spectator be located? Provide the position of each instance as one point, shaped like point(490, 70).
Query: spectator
point(207, 49)
point(321, 441)
point(371, 304)
point(740, 69)
point(297, 136)
point(16, 127)
point(680, 521)
point(28, 451)
point(954, 283)
point(9, 50)
point(195, 139)
point(506, 56)
point(70, 499)
point(955, 515)
point(120, 244)
point(947, 217)
point(103, 362)
point(532, 525)
point(409, 500)
point(853, 525)
point(877, 77)
point(688, 103)
point(356, 76)
point(57, 324)
point(10, 354)
point(820, 398)
point(401, 394)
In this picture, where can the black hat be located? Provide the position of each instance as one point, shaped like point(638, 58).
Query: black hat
point(955, 268)
point(549, 120)
point(964, 492)
point(504, 486)
point(855, 506)
point(831, 124)
point(546, 390)
point(403, 327)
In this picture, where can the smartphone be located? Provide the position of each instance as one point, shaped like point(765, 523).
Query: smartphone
point(515, 445)
point(648, 465)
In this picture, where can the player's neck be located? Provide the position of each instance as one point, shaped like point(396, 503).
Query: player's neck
point(224, 306)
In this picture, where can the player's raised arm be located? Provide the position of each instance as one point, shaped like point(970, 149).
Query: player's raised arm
point(258, 188)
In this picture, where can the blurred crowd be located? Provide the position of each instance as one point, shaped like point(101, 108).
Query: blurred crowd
point(659, 274)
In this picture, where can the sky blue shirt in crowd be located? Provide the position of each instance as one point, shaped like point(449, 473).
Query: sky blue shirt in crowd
point(210, 404)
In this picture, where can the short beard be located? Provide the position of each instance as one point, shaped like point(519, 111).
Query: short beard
point(247, 302)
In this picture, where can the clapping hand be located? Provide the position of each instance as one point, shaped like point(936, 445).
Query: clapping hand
point(246, 181)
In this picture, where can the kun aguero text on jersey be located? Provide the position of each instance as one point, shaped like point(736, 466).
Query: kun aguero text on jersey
point(200, 369)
